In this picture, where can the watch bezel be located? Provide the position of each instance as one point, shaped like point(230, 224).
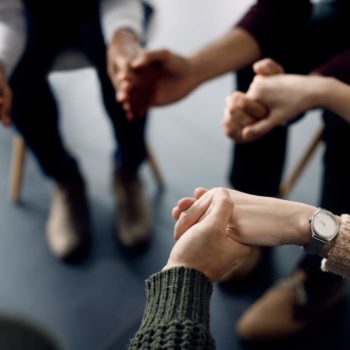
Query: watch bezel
point(316, 234)
point(317, 241)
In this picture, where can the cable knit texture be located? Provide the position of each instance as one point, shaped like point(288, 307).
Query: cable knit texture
point(177, 312)
point(338, 260)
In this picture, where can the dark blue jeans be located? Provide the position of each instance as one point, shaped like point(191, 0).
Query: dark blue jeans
point(53, 27)
point(257, 167)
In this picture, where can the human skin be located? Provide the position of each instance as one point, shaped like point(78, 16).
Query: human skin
point(175, 76)
point(284, 96)
point(5, 98)
point(208, 245)
point(255, 220)
point(124, 47)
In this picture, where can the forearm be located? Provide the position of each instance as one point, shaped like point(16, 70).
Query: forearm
point(268, 221)
point(126, 43)
point(177, 312)
point(233, 51)
point(122, 14)
point(333, 95)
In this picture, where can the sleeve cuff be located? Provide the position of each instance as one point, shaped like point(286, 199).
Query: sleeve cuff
point(338, 260)
point(178, 293)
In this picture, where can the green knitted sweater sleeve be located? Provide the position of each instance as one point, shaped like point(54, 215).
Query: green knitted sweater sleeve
point(177, 312)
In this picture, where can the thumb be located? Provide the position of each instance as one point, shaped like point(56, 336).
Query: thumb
point(257, 130)
point(267, 67)
point(220, 211)
point(199, 192)
point(150, 57)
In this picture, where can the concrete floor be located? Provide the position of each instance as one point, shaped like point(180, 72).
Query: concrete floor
point(98, 305)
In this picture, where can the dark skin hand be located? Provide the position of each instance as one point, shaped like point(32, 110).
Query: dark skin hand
point(5, 99)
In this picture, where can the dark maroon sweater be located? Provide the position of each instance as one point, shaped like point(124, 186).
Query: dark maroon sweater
point(278, 23)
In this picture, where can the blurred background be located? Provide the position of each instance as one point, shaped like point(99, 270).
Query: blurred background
point(98, 305)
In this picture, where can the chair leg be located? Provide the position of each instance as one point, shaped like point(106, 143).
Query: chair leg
point(287, 185)
point(155, 167)
point(17, 168)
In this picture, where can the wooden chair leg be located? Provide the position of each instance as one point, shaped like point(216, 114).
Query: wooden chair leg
point(287, 185)
point(17, 167)
point(155, 167)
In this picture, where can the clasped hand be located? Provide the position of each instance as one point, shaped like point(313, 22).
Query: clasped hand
point(215, 228)
point(272, 99)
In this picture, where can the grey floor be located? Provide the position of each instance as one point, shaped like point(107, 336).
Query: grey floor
point(98, 305)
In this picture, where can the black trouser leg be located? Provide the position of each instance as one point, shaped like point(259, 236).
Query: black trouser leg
point(257, 166)
point(34, 110)
point(130, 135)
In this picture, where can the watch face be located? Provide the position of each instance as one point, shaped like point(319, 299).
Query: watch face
point(325, 225)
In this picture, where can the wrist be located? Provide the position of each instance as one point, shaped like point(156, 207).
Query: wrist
point(125, 35)
point(301, 217)
point(126, 43)
point(197, 71)
point(173, 265)
point(319, 91)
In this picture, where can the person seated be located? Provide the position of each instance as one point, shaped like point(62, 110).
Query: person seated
point(214, 231)
point(12, 40)
point(94, 27)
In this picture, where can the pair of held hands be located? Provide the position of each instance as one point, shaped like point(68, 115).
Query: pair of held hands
point(215, 229)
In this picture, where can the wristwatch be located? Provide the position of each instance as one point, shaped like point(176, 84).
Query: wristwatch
point(324, 228)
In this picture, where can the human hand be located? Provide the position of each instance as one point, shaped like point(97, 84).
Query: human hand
point(207, 245)
point(242, 110)
point(173, 76)
point(255, 220)
point(122, 50)
point(284, 95)
point(5, 99)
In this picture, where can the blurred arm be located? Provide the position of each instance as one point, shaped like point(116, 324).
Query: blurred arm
point(332, 94)
point(12, 34)
point(266, 25)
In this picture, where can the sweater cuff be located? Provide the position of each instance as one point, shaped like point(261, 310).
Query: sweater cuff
point(338, 260)
point(178, 293)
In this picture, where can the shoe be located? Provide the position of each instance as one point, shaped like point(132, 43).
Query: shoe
point(245, 268)
point(68, 227)
point(288, 308)
point(133, 219)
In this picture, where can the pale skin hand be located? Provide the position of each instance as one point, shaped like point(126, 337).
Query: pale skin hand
point(287, 96)
point(207, 245)
point(255, 220)
point(5, 99)
point(242, 111)
point(123, 49)
point(284, 96)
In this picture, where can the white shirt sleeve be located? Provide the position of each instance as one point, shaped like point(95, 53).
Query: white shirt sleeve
point(12, 33)
point(118, 14)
